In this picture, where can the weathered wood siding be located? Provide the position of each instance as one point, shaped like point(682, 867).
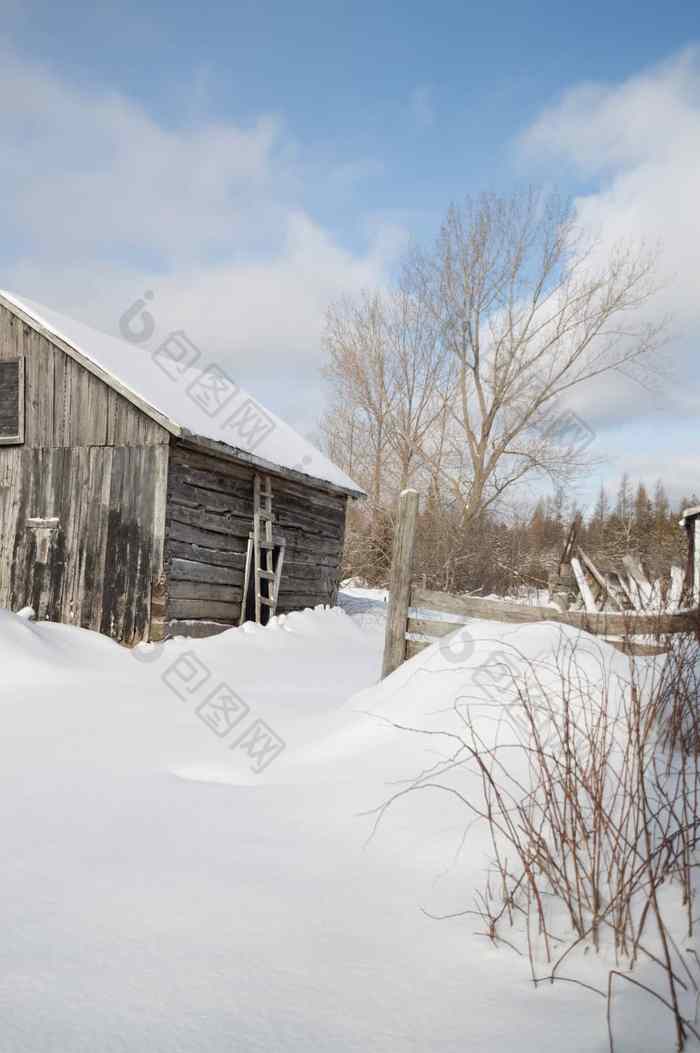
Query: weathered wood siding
point(106, 524)
point(65, 404)
point(82, 500)
point(210, 516)
point(97, 565)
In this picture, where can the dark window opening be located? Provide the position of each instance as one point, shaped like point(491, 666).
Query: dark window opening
point(11, 401)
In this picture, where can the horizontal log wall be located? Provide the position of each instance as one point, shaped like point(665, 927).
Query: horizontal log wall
point(209, 519)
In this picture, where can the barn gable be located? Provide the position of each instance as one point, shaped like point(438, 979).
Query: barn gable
point(116, 516)
point(179, 400)
point(66, 404)
point(82, 493)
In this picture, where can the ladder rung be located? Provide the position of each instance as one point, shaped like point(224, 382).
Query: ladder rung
point(264, 541)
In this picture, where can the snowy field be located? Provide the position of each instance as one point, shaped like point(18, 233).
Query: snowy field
point(192, 861)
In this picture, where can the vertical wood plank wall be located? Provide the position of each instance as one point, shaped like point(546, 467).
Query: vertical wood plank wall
point(210, 515)
point(99, 466)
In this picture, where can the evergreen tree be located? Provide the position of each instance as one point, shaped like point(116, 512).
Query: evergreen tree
point(662, 507)
point(623, 505)
point(597, 528)
point(643, 521)
point(601, 511)
point(538, 527)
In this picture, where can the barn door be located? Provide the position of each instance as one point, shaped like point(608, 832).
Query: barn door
point(38, 556)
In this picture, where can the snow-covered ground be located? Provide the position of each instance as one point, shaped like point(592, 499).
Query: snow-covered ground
point(190, 859)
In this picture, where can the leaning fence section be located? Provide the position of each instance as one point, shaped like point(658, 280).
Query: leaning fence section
point(634, 633)
point(418, 617)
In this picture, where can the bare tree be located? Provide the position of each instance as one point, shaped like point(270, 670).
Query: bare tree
point(386, 366)
point(420, 379)
point(456, 379)
point(529, 314)
point(358, 368)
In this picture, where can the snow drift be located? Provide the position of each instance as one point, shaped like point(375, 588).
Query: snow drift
point(163, 889)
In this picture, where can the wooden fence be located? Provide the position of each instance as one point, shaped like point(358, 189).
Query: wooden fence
point(410, 627)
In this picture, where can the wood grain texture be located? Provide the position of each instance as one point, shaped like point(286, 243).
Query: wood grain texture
point(196, 630)
point(432, 628)
point(97, 567)
point(400, 582)
point(414, 647)
point(66, 405)
point(583, 586)
point(31, 328)
point(97, 467)
point(601, 623)
point(149, 530)
point(209, 521)
point(222, 451)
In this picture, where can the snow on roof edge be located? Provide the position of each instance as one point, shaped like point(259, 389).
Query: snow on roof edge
point(174, 422)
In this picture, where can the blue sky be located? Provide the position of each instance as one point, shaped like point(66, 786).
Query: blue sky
point(422, 102)
point(265, 158)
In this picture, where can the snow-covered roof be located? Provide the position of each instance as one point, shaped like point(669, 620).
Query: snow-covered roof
point(690, 513)
point(188, 394)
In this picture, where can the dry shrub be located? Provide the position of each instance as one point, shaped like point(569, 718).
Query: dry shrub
point(609, 814)
point(591, 801)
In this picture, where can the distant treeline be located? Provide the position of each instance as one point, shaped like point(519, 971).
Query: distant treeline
point(498, 554)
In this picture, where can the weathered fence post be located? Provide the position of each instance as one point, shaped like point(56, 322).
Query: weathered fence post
point(691, 521)
point(400, 583)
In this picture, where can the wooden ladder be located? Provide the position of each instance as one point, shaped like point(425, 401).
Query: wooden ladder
point(263, 540)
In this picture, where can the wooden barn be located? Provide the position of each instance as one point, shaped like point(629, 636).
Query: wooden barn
point(144, 494)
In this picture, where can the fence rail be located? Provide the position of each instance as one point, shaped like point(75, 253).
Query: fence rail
point(620, 628)
point(409, 611)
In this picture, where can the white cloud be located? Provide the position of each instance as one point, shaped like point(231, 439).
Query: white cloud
point(261, 319)
point(651, 117)
point(641, 141)
point(638, 142)
point(101, 202)
point(84, 172)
